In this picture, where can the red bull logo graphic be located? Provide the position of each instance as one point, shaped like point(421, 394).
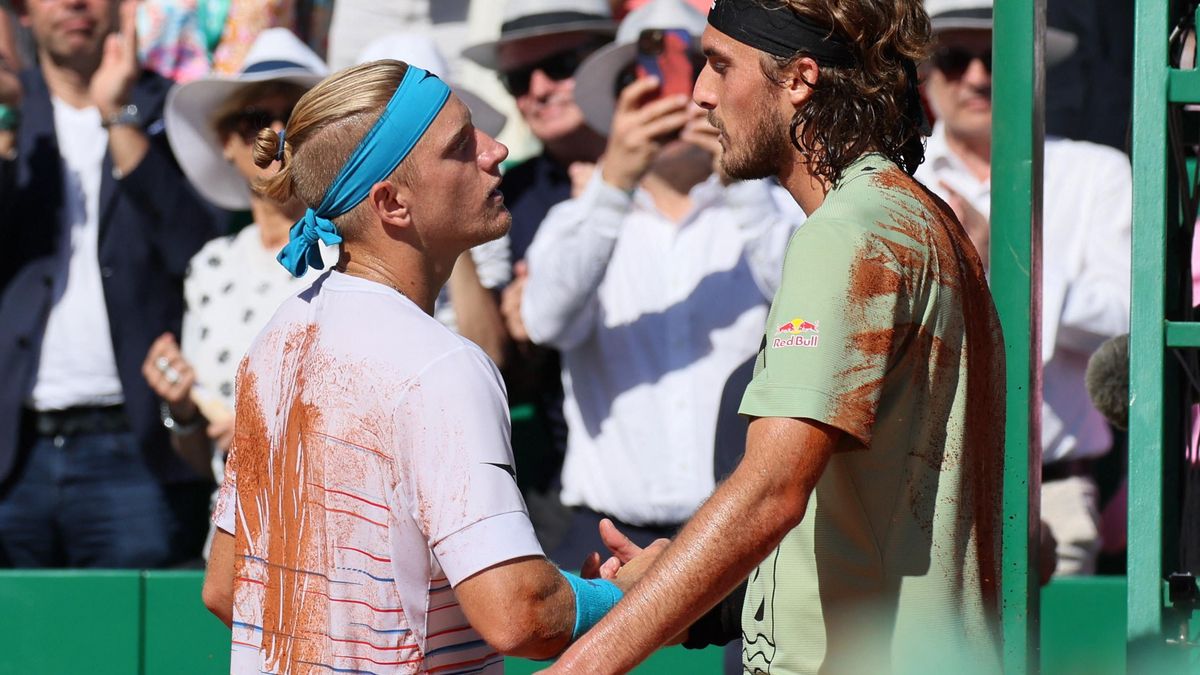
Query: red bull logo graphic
point(797, 333)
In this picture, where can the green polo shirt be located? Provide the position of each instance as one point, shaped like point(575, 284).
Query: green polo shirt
point(885, 329)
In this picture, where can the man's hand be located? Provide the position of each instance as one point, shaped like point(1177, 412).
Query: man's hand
point(581, 174)
point(113, 82)
point(640, 125)
point(170, 376)
point(510, 303)
point(975, 223)
point(629, 561)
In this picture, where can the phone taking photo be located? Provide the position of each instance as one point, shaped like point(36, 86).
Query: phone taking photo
point(667, 55)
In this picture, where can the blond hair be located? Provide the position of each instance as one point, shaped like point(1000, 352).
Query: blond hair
point(326, 125)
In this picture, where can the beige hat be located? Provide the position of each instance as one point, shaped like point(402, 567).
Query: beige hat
point(277, 54)
point(525, 19)
point(947, 15)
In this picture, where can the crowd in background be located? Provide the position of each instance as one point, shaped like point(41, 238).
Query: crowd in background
point(624, 308)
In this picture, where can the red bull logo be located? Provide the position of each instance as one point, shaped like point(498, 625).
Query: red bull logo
point(797, 333)
point(798, 326)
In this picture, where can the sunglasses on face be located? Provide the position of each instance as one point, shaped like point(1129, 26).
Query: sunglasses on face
point(250, 121)
point(557, 67)
point(954, 61)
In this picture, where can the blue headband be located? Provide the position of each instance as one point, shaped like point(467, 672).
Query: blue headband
point(414, 106)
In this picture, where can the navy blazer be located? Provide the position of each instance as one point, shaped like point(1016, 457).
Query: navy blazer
point(151, 223)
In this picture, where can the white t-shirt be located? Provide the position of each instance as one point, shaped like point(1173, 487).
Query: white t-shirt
point(77, 366)
point(371, 473)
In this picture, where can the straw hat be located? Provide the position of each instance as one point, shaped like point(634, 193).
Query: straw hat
point(277, 55)
point(947, 15)
point(525, 19)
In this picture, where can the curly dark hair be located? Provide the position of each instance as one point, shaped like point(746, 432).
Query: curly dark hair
point(865, 107)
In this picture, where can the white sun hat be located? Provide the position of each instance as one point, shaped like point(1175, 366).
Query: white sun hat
point(524, 19)
point(277, 55)
point(945, 15)
point(421, 51)
point(596, 79)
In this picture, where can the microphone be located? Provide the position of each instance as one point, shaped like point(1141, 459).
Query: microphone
point(1107, 380)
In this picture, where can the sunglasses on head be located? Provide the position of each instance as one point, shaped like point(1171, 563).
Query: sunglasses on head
point(954, 61)
point(249, 121)
point(557, 67)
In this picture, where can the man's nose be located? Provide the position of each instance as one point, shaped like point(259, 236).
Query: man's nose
point(703, 93)
point(494, 152)
point(977, 74)
point(541, 84)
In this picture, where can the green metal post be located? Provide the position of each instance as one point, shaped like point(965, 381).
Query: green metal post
point(1148, 328)
point(1016, 264)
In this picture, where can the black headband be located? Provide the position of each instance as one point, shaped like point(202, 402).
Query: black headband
point(779, 32)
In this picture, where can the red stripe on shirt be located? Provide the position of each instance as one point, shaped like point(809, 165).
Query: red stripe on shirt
point(359, 550)
point(347, 494)
point(398, 610)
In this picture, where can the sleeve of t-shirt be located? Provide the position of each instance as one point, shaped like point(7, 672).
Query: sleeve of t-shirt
point(830, 331)
point(457, 473)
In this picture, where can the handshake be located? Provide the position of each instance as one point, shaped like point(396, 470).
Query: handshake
point(628, 561)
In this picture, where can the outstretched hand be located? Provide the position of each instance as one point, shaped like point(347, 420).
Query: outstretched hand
point(113, 82)
point(628, 561)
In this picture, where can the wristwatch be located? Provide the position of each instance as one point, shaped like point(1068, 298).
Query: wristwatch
point(176, 427)
point(127, 116)
point(10, 117)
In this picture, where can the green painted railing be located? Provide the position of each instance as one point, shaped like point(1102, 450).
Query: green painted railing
point(152, 623)
point(1018, 130)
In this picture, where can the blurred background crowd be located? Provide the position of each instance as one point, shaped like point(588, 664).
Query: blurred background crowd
point(624, 308)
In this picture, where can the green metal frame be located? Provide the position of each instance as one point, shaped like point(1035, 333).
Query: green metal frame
point(1016, 263)
point(1156, 421)
point(1148, 332)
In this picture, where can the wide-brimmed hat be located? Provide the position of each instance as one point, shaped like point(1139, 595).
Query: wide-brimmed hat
point(524, 19)
point(596, 79)
point(945, 15)
point(421, 51)
point(277, 55)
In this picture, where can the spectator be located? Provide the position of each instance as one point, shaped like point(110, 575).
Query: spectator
point(100, 227)
point(654, 283)
point(540, 45)
point(469, 303)
point(234, 284)
point(1086, 247)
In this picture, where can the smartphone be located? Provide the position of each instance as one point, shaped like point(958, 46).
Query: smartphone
point(667, 55)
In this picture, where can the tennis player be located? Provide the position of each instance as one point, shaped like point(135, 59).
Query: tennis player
point(370, 518)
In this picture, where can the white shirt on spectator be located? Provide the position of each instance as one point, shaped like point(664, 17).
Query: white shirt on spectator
point(370, 474)
point(652, 317)
point(77, 366)
point(494, 269)
point(1086, 239)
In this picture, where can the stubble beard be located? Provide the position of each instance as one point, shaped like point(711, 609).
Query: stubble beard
point(761, 155)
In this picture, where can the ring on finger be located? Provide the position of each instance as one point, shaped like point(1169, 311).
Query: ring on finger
point(171, 375)
point(163, 364)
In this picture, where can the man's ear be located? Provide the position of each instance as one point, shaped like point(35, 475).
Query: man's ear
point(798, 80)
point(390, 204)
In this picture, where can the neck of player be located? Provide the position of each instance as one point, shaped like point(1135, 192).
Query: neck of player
point(414, 275)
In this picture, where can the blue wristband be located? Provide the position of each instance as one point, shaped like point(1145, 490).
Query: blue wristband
point(593, 599)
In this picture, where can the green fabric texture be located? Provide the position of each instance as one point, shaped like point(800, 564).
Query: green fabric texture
point(884, 328)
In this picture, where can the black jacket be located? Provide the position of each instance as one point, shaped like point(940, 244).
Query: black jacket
point(151, 223)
